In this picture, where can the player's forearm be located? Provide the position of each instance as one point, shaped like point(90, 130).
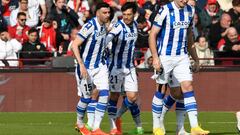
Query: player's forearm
point(109, 38)
point(191, 48)
point(76, 52)
point(152, 45)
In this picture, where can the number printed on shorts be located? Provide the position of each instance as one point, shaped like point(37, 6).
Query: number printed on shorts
point(88, 88)
point(113, 79)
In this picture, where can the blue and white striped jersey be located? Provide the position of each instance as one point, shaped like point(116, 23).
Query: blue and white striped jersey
point(173, 22)
point(123, 45)
point(93, 35)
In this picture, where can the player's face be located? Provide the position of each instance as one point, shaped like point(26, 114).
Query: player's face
point(180, 3)
point(103, 15)
point(128, 16)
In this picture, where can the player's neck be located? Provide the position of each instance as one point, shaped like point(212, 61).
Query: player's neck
point(99, 21)
point(177, 5)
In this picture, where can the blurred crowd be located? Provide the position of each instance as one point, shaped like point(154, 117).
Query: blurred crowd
point(40, 29)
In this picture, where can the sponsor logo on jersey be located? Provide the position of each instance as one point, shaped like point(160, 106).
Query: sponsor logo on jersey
point(181, 24)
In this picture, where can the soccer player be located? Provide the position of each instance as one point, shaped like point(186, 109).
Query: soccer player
point(238, 121)
point(122, 71)
point(174, 97)
point(91, 70)
point(168, 39)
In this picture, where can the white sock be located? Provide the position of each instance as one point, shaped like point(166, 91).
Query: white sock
point(90, 112)
point(100, 108)
point(81, 108)
point(180, 113)
point(238, 120)
point(191, 108)
point(157, 109)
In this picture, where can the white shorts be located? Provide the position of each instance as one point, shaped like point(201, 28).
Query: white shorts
point(98, 78)
point(179, 66)
point(123, 79)
point(173, 82)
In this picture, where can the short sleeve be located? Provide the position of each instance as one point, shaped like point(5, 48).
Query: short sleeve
point(160, 17)
point(42, 2)
point(116, 29)
point(86, 30)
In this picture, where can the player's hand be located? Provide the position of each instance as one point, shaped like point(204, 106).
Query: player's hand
point(156, 64)
point(83, 71)
point(196, 66)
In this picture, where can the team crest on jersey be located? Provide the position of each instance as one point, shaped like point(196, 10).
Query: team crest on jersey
point(181, 24)
point(100, 33)
point(157, 18)
point(84, 32)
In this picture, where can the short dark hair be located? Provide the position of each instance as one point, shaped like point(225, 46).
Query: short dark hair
point(236, 3)
point(21, 14)
point(32, 30)
point(101, 5)
point(3, 29)
point(129, 5)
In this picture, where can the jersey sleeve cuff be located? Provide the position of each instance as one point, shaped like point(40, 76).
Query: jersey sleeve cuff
point(156, 24)
point(81, 36)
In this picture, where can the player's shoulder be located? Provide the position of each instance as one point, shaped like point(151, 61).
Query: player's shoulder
point(89, 24)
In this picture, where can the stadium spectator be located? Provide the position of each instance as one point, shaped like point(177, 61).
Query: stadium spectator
point(196, 28)
point(73, 35)
point(36, 5)
point(48, 34)
point(66, 19)
point(147, 64)
point(32, 16)
point(210, 14)
point(7, 6)
point(231, 42)
point(225, 5)
point(8, 49)
point(82, 8)
point(219, 30)
point(3, 23)
point(235, 14)
point(19, 31)
point(203, 51)
point(49, 5)
point(33, 49)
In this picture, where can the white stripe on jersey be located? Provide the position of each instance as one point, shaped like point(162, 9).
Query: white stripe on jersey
point(123, 45)
point(174, 22)
point(93, 35)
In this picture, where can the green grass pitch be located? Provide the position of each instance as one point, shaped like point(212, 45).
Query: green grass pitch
point(219, 123)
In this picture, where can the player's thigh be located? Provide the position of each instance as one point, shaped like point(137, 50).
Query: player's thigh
point(130, 81)
point(182, 71)
point(167, 67)
point(100, 78)
point(84, 86)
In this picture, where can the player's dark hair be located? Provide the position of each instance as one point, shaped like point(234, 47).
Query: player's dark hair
point(101, 5)
point(129, 5)
point(236, 3)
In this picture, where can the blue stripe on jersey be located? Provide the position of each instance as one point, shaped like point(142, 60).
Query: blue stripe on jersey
point(129, 58)
point(181, 32)
point(114, 46)
point(92, 46)
point(96, 64)
point(99, 53)
point(78, 71)
point(171, 33)
point(123, 44)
